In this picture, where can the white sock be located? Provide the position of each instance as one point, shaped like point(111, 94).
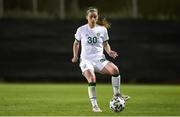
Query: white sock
point(116, 84)
point(92, 94)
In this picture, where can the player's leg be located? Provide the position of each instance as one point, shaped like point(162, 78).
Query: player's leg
point(91, 78)
point(113, 70)
point(88, 72)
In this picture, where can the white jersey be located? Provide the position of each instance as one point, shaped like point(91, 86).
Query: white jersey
point(91, 40)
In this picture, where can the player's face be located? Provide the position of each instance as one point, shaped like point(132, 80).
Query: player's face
point(92, 18)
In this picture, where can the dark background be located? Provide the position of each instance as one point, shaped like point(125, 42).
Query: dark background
point(41, 50)
point(36, 38)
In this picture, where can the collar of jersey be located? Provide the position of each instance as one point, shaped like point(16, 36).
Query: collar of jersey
point(91, 28)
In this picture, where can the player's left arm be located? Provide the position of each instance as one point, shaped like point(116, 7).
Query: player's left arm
point(110, 52)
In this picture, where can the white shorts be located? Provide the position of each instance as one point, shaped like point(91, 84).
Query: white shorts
point(94, 64)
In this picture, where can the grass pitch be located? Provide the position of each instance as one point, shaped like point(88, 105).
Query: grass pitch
point(72, 100)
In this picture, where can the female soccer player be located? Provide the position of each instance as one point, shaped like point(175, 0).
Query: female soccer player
point(93, 38)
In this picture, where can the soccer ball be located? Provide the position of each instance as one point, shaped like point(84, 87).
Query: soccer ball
point(117, 104)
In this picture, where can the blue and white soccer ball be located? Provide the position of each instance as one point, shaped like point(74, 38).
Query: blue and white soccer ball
point(117, 104)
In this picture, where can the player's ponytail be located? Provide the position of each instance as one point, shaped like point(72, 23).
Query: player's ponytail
point(101, 20)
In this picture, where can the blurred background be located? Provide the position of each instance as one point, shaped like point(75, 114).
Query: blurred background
point(36, 38)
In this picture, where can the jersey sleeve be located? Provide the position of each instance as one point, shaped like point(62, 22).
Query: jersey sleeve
point(78, 35)
point(106, 36)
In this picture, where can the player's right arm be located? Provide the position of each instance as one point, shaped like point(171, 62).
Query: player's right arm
point(75, 51)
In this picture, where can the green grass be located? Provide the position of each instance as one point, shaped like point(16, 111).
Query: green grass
point(72, 99)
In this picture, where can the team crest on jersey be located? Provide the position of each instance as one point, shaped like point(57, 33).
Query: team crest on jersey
point(98, 34)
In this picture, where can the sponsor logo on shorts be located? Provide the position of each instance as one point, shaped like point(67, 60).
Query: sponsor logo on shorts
point(102, 60)
point(84, 66)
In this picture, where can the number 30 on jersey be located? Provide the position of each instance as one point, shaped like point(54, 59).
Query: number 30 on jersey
point(92, 40)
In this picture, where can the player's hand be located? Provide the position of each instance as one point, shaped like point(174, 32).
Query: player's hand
point(113, 54)
point(75, 59)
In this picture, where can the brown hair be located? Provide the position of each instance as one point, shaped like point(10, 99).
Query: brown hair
point(101, 20)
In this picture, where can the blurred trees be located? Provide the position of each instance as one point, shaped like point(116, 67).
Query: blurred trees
point(34, 5)
point(160, 8)
point(71, 9)
point(1, 8)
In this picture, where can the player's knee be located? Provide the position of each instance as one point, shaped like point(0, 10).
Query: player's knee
point(115, 72)
point(90, 76)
